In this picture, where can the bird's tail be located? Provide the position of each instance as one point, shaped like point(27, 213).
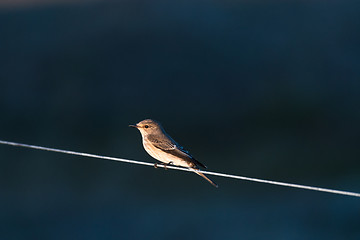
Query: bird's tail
point(206, 178)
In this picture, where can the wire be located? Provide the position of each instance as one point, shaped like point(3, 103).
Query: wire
point(319, 189)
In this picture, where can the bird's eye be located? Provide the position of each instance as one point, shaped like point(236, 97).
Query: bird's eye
point(146, 126)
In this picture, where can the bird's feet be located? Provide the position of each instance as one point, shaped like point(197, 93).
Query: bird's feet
point(167, 164)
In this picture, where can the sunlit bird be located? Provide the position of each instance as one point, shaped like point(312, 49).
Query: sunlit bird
point(163, 148)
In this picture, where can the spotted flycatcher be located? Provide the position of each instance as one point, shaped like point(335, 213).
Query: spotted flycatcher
point(163, 148)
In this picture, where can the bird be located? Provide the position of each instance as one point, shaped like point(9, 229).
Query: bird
point(159, 145)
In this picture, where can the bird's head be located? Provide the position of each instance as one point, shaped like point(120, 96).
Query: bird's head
point(148, 126)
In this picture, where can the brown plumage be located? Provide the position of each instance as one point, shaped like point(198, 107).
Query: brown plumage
point(163, 148)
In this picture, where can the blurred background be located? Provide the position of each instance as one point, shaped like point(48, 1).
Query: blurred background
point(266, 89)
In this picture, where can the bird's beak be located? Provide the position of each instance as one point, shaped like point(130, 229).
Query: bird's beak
point(134, 126)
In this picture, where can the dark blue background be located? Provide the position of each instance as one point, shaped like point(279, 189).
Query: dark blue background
point(267, 89)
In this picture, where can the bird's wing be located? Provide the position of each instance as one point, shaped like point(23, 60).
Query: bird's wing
point(175, 149)
point(163, 145)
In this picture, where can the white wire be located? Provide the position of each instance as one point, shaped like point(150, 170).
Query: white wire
point(354, 194)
